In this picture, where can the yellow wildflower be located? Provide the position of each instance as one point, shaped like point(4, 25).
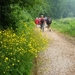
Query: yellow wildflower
point(18, 60)
point(4, 72)
point(6, 59)
point(12, 64)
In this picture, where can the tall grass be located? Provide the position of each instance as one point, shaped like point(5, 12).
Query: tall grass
point(66, 26)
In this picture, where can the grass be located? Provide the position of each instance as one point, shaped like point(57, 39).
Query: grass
point(65, 26)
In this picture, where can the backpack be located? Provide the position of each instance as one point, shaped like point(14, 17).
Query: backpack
point(42, 21)
point(49, 21)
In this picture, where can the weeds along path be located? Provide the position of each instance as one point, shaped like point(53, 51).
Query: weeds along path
point(58, 59)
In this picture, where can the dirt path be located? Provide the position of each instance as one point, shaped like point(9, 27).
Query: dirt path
point(58, 59)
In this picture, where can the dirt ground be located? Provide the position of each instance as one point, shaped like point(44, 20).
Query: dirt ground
point(58, 59)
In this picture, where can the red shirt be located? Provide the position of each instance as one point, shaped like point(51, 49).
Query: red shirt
point(36, 21)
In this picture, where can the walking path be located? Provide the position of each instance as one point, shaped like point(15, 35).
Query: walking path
point(58, 59)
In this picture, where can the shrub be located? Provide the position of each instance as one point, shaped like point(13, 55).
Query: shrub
point(14, 14)
point(17, 51)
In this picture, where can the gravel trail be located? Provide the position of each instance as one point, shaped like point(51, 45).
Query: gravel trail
point(58, 59)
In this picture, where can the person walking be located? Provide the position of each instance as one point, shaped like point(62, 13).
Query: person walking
point(42, 22)
point(37, 22)
point(48, 22)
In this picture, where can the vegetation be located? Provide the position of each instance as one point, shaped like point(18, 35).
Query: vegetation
point(66, 26)
point(20, 42)
point(10, 10)
point(17, 51)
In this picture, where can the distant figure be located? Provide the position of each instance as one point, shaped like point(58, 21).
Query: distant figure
point(45, 24)
point(42, 23)
point(37, 22)
point(49, 21)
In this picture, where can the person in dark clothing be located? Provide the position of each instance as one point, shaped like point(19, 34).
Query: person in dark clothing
point(48, 22)
point(42, 23)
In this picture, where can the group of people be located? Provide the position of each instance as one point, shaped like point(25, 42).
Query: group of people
point(42, 21)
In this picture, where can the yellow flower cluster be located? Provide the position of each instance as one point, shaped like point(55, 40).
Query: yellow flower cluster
point(14, 46)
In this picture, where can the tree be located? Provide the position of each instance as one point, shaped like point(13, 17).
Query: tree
point(56, 8)
point(9, 6)
point(70, 8)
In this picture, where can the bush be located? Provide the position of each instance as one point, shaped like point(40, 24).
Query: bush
point(19, 15)
point(17, 51)
point(14, 15)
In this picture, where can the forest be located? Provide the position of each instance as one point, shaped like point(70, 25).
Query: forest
point(18, 48)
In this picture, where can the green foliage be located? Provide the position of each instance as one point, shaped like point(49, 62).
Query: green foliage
point(66, 26)
point(60, 8)
point(17, 51)
point(18, 16)
point(69, 8)
point(70, 15)
point(38, 9)
point(12, 11)
point(56, 8)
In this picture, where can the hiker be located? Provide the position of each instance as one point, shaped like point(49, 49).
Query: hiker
point(42, 23)
point(48, 22)
point(37, 22)
point(45, 24)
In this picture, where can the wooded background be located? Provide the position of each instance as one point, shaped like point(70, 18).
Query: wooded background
point(12, 11)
